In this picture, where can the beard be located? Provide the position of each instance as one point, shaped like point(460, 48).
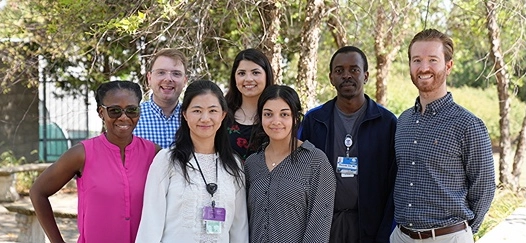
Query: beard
point(438, 79)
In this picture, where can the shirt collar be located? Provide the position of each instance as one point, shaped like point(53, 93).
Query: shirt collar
point(157, 109)
point(435, 106)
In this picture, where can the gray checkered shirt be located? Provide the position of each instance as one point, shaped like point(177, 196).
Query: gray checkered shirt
point(445, 167)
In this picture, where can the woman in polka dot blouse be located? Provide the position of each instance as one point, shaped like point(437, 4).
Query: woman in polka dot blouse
point(290, 183)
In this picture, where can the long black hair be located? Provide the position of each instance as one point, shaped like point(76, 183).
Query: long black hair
point(183, 147)
point(287, 94)
point(233, 95)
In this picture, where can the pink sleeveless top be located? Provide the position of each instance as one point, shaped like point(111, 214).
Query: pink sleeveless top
point(110, 193)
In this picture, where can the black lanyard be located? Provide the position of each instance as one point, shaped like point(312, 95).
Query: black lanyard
point(210, 187)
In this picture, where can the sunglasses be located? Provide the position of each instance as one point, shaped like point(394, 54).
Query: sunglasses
point(116, 111)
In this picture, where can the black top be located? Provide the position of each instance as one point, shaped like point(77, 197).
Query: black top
point(239, 137)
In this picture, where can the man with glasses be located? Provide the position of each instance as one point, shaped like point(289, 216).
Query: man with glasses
point(160, 114)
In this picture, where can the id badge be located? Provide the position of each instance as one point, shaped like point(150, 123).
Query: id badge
point(214, 213)
point(213, 217)
point(213, 227)
point(347, 166)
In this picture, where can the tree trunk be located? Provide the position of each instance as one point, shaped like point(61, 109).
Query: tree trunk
point(336, 27)
point(387, 40)
point(381, 59)
point(270, 45)
point(310, 34)
point(519, 155)
point(502, 87)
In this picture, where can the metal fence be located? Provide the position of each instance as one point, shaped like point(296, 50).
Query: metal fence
point(64, 119)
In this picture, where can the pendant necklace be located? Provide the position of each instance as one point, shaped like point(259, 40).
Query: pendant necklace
point(276, 161)
point(210, 187)
point(273, 164)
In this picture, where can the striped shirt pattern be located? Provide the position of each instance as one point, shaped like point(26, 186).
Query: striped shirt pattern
point(155, 126)
point(445, 167)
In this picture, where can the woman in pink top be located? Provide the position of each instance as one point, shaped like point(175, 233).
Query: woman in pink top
point(111, 172)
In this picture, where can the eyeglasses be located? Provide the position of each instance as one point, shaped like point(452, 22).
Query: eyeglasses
point(116, 111)
point(164, 73)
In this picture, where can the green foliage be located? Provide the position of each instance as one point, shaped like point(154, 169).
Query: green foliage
point(472, 65)
point(21, 52)
point(8, 158)
point(504, 203)
point(24, 180)
point(325, 90)
point(65, 37)
point(87, 42)
point(481, 102)
point(467, 23)
point(484, 103)
point(128, 25)
point(401, 93)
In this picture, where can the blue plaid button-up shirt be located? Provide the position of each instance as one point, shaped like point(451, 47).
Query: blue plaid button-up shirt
point(445, 167)
point(155, 126)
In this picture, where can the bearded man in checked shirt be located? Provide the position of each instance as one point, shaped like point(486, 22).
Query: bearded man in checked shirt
point(446, 180)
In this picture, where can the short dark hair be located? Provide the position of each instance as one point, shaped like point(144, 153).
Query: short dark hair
point(292, 99)
point(104, 88)
point(431, 35)
point(233, 96)
point(184, 146)
point(347, 49)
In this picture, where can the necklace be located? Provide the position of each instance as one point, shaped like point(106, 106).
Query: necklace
point(274, 164)
point(247, 118)
point(210, 187)
point(273, 159)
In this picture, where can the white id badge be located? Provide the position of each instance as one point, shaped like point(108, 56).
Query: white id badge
point(347, 166)
point(213, 227)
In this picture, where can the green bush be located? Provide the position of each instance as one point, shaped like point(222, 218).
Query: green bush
point(24, 180)
point(8, 158)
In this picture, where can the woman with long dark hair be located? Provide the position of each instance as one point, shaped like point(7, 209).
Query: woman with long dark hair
point(195, 190)
point(251, 74)
point(290, 183)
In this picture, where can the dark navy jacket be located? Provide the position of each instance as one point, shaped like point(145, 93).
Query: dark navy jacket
point(376, 155)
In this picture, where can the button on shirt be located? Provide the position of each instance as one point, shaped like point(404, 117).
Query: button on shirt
point(155, 126)
point(110, 192)
point(293, 202)
point(445, 167)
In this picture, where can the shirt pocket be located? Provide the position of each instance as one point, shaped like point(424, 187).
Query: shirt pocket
point(293, 190)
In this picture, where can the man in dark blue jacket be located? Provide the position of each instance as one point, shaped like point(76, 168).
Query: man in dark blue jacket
point(357, 135)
